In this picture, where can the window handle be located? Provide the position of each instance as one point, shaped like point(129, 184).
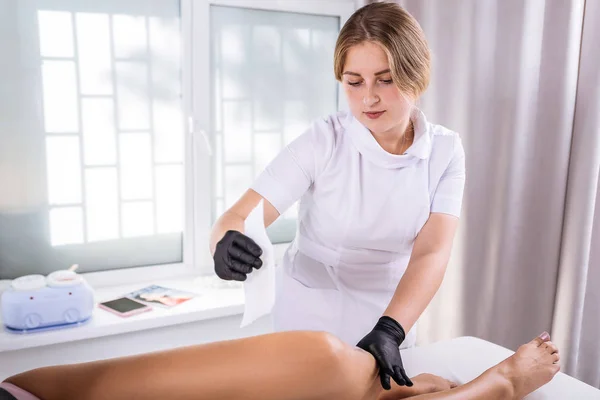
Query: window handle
point(200, 138)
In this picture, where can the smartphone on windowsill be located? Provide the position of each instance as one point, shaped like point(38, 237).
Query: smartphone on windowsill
point(124, 307)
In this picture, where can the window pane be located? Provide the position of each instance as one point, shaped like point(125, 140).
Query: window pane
point(169, 198)
point(66, 226)
point(237, 180)
point(272, 74)
point(93, 47)
point(233, 37)
point(99, 140)
point(93, 125)
point(60, 96)
point(266, 147)
point(168, 120)
point(234, 60)
point(133, 95)
point(55, 33)
point(129, 35)
point(102, 204)
point(64, 170)
point(136, 166)
point(266, 44)
point(297, 119)
point(323, 43)
point(267, 99)
point(165, 44)
point(168, 131)
point(138, 219)
point(237, 131)
point(296, 53)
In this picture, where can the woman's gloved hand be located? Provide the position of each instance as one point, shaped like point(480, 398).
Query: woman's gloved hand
point(235, 256)
point(383, 342)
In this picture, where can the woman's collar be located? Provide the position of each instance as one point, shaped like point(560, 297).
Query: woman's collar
point(370, 148)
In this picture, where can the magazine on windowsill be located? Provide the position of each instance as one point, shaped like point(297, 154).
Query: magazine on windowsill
point(160, 296)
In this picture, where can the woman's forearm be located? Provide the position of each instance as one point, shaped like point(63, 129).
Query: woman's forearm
point(417, 287)
point(227, 221)
point(233, 219)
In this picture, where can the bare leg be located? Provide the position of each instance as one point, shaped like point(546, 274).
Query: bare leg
point(290, 365)
point(282, 366)
point(532, 366)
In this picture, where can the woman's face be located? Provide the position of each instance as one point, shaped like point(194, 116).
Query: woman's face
point(374, 99)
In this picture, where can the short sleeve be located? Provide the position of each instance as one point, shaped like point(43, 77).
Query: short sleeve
point(449, 193)
point(295, 168)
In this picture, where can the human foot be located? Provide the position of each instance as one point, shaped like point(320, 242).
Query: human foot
point(532, 366)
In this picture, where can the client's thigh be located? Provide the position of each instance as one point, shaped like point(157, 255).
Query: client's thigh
point(281, 366)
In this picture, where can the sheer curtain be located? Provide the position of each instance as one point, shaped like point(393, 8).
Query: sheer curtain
point(576, 325)
point(519, 81)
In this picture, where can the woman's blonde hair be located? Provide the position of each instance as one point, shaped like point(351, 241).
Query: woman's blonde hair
point(400, 36)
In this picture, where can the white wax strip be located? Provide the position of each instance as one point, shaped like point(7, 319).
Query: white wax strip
point(259, 287)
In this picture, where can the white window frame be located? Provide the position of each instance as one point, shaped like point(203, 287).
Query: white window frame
point(201, 108)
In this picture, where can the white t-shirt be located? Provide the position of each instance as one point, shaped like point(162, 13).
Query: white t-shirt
point(359, 203)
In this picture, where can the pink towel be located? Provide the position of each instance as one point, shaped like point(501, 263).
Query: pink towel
point(17, 392)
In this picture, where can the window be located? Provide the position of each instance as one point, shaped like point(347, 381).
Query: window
point(93, 167)
point(127, 126)
point(270, 74)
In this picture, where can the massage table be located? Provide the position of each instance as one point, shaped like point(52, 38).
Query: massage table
point(463, 359)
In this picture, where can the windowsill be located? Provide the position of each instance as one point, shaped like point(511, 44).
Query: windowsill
point(215, 300)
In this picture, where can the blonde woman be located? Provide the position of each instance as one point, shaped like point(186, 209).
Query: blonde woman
point(380, 192)
point(278, 366)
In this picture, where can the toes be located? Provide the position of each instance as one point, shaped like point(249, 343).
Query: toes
point(537, 342)
point(555, 358)
point(550, 353)
point(551, 347)
point(544, 337)
point(547, 358)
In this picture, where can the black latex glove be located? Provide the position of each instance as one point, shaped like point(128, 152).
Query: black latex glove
point(235, 256)
point(383, 342)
